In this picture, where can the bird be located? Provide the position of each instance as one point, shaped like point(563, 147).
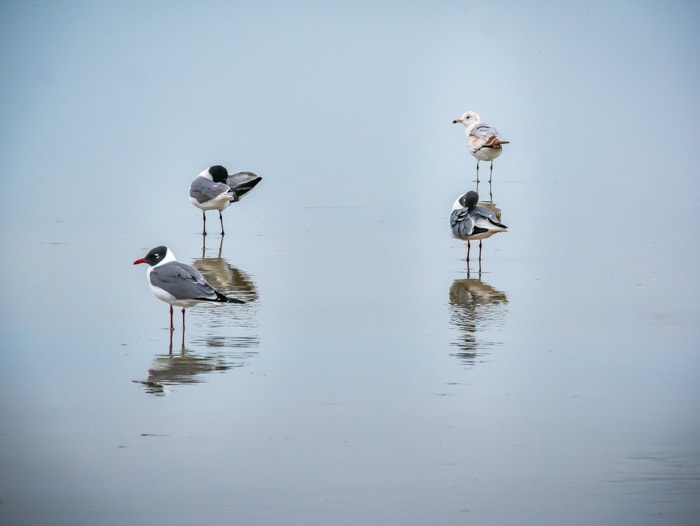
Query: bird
point(469, 221)
point(215, 189)
point(483, 140)
point(178, 284)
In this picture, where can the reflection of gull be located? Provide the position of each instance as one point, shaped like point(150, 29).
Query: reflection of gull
point(188, 367)
point(215, 189)
point(482, 139)
point(177, 283)
point(227, 278)
point(224, 276)
point(469, 221)
point(473, 306)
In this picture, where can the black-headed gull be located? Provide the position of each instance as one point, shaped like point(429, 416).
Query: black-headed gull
point(178, 284)
point(469, 221)
point(215, 189)
point(483, 140)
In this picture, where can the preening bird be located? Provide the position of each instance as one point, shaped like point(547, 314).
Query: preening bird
point(215, 189)
point(469, 221)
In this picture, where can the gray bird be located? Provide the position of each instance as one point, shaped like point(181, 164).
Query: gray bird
point(178, 284)
point(469, 221)
point(215, 189)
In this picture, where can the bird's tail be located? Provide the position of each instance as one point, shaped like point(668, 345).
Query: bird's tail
point(494, 142)
point(226, 299)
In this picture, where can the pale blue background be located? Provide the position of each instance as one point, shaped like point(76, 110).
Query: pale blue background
point(343, 398)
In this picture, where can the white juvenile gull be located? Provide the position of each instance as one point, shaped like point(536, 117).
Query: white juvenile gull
point(469, 221)
point(482, 140)
point(178, 284)
point(215, 189)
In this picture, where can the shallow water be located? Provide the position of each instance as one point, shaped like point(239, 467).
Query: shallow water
point(371, 377)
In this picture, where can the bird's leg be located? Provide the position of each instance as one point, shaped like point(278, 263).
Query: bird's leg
point(170, 347)
point(490, 192)
point(480, 252)
point(469, 247)
point(204, 223)
point(491, 172)
point(183, 320)
point(221, 220)
point(477, 172)
point(172, 327)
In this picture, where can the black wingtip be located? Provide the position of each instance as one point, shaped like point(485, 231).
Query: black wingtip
point(226, 299)
point(234, 300)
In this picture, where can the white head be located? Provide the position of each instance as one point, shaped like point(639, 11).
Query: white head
point(469, 119)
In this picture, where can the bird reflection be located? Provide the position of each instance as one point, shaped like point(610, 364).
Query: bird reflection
point(225, 277)
point(490, 204)
point(204, 245)
point(474, 305)
point(188, 366)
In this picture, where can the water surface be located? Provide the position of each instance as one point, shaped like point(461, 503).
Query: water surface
point(371, 377)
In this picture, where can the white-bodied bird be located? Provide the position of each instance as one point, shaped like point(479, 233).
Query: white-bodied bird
point(482, 140)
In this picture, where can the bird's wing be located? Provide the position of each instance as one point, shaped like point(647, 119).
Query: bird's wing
point(204, 190)
point(182, 281)
point(241, 183)
point(483, 132)
point(485, 218)
point(462, 223)
point(484, 136)
point(485, 212)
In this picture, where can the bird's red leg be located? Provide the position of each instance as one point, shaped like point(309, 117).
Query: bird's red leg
point(183, 319)
point(172, 327)
point(204, 223)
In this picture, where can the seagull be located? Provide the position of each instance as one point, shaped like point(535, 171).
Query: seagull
point(177, 283)
point(483, 140)
point(470, 221)
point(215, 189)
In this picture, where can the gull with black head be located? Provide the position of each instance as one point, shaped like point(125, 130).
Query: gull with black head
point(215, 189)
point(178, 284)
point(470, 222)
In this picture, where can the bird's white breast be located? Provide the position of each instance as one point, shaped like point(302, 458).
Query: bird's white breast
point(159, 293)
point(218, 203)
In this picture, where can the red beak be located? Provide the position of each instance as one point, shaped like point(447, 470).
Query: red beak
point(140, 260)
